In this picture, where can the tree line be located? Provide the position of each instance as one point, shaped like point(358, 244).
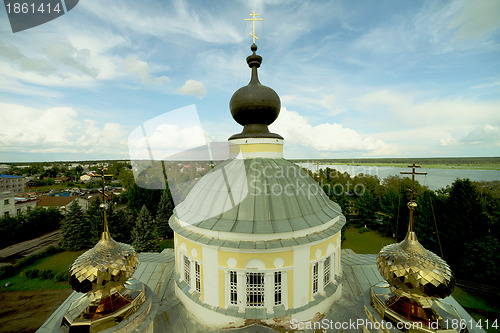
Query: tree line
point(143, 227)
point(459, 222)
point(15, 229)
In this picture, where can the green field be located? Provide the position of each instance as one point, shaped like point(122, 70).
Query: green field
point(167, 243)
point(365, 243)
point(59, 262)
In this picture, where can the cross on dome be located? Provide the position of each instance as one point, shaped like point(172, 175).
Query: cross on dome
point(254, 19)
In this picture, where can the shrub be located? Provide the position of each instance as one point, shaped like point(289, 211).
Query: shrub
point(7, 271)
point(46, 274)
point(61, 277)
point(32, 273)
point(51, 250)
point(363, 230)
point(26, 261)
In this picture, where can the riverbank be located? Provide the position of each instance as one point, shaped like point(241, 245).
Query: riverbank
point(470, 163)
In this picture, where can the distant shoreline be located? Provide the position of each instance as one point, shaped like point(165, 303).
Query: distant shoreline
point(469, 163)
point(466, 163)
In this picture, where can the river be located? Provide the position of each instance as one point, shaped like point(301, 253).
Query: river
point(435, 178)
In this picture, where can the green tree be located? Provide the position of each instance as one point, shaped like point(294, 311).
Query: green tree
point(481, 260)
point(165, 210)
point(464, 219)
point(426, 221)
point(138, 197)
point(75, 229)
point(366, 207)
point(144, 233)
point(94, 216)
point(119, 225)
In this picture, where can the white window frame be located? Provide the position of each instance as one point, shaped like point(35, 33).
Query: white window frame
point(197, 276)
point(233, 287)
point(269, 288)
point(327, 271)
point(255, 291)
point(278, 288)
point(186, 268)
point(315, 278)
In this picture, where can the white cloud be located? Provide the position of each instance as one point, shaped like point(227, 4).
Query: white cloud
point(477, 18)
point(164, 140)
point(327, 102)
point(141, 68)
point(487, 134)
point(167, 134)
point(447, 140)
point(58, 130)
point(193, 87)
point(404, 110)
point(166, 23)
point(326, 136)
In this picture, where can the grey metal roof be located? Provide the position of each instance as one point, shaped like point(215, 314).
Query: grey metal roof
point(359, 273)
point(256, 196)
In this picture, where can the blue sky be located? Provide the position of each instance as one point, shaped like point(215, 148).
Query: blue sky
point(355, 78)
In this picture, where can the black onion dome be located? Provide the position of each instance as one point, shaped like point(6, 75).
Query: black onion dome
point(255, 106)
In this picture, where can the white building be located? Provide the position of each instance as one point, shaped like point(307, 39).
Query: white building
point(14, 184)
point(257, 238)
point(23, 205)
point(7, 204)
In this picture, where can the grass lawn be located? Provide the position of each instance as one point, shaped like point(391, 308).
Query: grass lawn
point(59, 262)
point(56, 187)
point(167, 243)
point(368, 242)
point(478, 307)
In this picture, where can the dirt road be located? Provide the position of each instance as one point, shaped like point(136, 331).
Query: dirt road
point(14, 252)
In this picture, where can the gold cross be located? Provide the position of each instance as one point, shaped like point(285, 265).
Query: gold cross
point(102, 175)
point(413, 173)
point(254, 19)
point(412, 204)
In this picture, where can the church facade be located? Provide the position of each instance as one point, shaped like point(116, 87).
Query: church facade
point(257, 238)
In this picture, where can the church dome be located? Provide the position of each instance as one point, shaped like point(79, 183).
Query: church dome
point(253, 232)
point(255, 106)
point(255, 196)
point(409, 267)
point(107, 265)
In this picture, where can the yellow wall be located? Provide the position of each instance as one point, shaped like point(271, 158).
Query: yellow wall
point(255, 148)
point(289, 287)
point(222, 289)
point(178, 240)
point(266, 257)
point(312, 256)
point(323, 246)
point(189, 246)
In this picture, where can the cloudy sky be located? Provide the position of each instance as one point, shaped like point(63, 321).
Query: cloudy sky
point(356, 78)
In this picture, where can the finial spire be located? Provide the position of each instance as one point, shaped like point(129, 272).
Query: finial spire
point(254, 19)
point(412, 204)
point(104, 206)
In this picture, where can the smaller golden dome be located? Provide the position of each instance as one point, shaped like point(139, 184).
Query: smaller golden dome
point(409, 267)
point(107, 265)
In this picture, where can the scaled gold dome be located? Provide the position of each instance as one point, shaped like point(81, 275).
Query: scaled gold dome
point(408, 266)
point(108, 264)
